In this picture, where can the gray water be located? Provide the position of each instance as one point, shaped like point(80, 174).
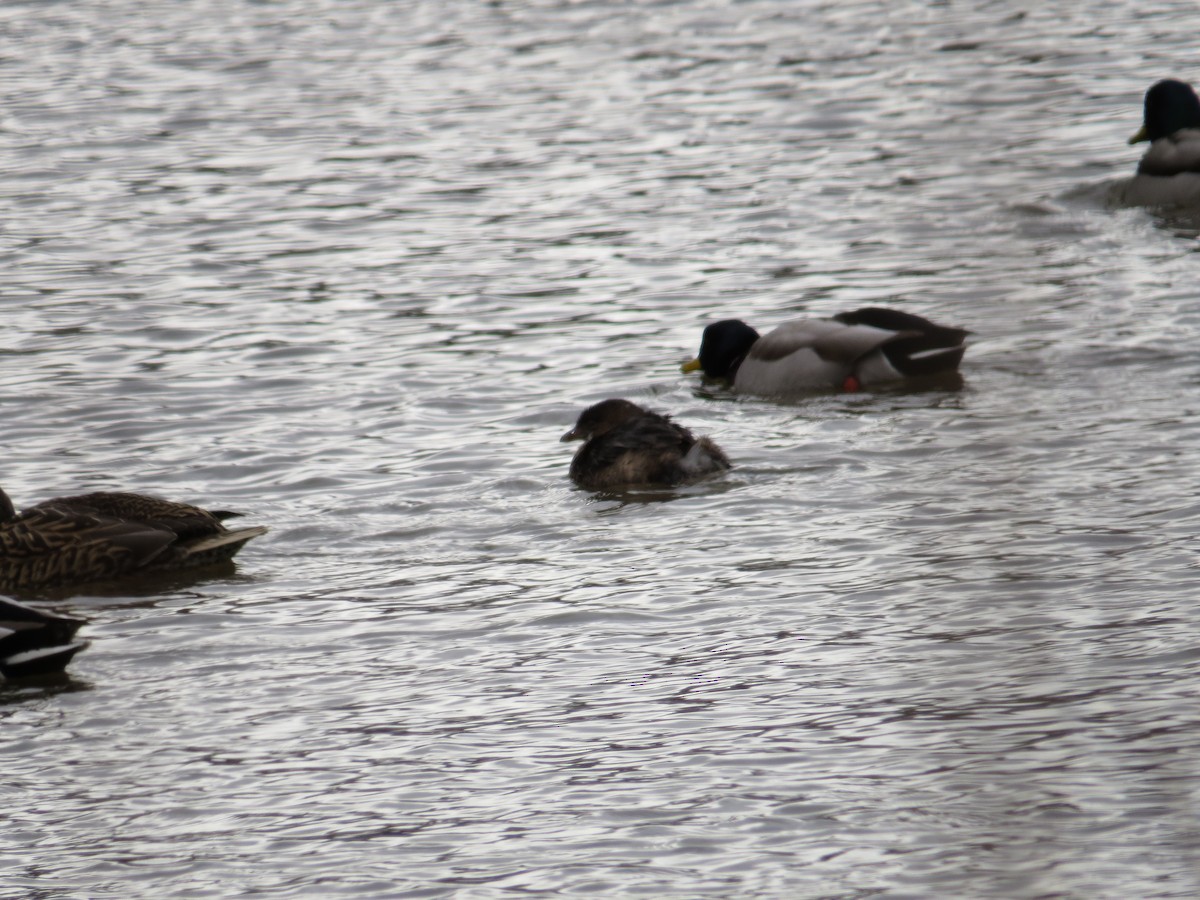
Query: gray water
point(353, 267)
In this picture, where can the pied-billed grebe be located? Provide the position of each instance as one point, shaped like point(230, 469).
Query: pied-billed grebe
point(626, 445)
point(97, 537)
point(865, 348)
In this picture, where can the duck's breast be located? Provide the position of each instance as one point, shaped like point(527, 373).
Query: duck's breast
point(1176, 154)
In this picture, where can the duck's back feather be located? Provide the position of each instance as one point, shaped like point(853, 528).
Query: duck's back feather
point(183, 519)
point(808, 354)
point(50, 546)
point(829, 339)
point(871, 346)
point(648, 449)
point(102, 536)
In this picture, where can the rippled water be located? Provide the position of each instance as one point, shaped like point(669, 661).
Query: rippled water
point(353, 267)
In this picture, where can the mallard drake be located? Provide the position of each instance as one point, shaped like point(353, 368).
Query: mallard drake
point(626, 445)
point(33, 642)
point(852, 350)
point(101, 536)
point(1168, 174)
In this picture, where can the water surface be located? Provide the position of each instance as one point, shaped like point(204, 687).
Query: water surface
point(353, 268)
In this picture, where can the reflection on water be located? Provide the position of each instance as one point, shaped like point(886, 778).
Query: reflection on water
point(37, 687)
point(353, 270)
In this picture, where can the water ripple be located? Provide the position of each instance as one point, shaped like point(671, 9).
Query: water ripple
point(353, 270)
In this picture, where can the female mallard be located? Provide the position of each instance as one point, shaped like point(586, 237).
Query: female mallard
point(1169, 172)
point(33, 642)
point(628, 446)
point(864, 348)
point(96, 537)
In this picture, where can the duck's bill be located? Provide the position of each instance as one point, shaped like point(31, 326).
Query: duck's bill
point(691, 365)
point(569, 436)
point(1139, 136)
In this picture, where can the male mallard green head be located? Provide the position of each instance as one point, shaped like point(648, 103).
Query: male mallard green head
point(723, 346)
point(1170, 106)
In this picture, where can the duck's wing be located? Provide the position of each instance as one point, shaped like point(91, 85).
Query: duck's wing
point(917, 347)
point(830, 339)
point(1176, 154)
point(185, 520)
point(806, 355)
point(48, 546)
point(644, 436)
point(872, 344)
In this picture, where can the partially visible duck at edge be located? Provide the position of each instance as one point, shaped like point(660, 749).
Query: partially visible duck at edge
point(626, 445)
point(1169, 171)
point(33, 642)
point(104, 536)
point(866, 348)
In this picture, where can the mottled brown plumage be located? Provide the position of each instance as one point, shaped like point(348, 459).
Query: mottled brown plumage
point(103, 536)
point(626, 445)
